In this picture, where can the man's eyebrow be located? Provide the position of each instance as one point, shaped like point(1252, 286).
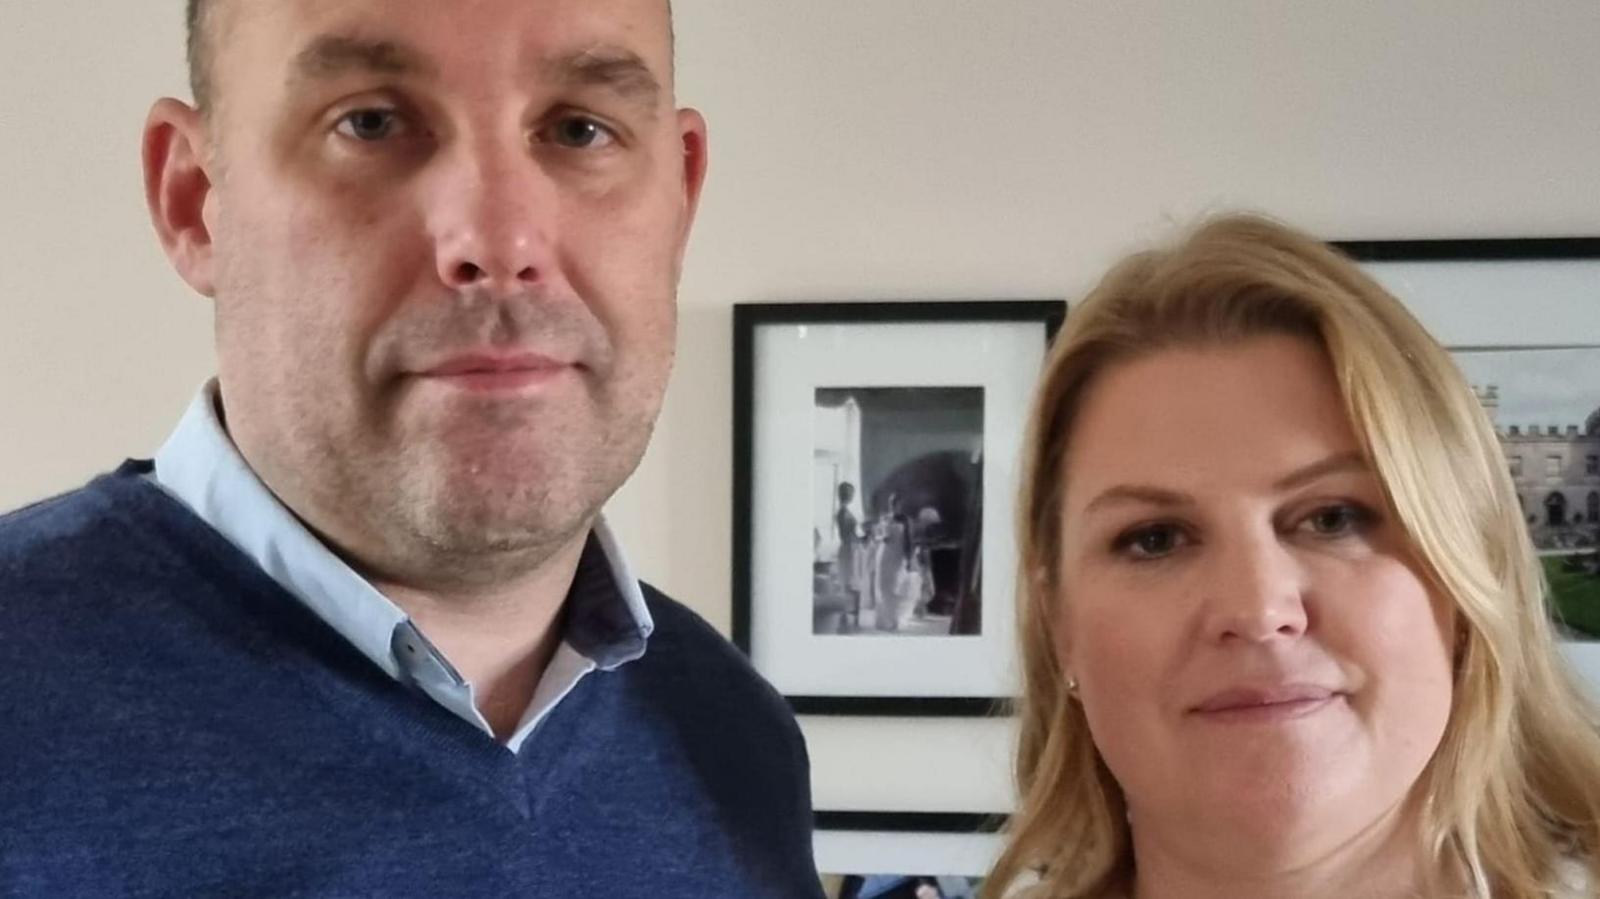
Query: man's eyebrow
point(332, 55)
point(613, 68)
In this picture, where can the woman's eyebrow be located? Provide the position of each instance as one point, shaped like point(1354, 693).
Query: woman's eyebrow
point(1339, 463)
point(1138, 493)
point(1144, 494)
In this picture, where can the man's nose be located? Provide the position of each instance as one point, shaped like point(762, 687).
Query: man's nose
point(493, 218)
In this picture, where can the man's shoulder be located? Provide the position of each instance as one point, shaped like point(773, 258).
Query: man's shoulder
point(104, 531)
point(693, 656)
point(679, 629)
point(72, 568)
point(61, 521)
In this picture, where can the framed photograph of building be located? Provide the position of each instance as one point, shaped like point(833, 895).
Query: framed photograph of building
point(1522, 319)
point(869, 855)
point(875, 453)
point(1545, 402)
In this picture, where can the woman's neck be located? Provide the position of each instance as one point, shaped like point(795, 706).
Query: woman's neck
point(1380, 861)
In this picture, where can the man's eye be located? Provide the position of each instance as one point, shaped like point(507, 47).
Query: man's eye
point(579, 133)
point(370, 124)
point(1150, 542)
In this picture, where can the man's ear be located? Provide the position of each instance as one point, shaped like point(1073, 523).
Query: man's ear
point(696, 158)
point(177, 186)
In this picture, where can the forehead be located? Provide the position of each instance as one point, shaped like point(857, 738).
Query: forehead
point(1188, 417)
point(257, 41)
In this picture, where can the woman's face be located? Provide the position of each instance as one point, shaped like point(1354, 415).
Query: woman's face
point(1257, 654)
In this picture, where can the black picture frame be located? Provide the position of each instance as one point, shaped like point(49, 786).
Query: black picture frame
point(1473, 249)
point(959, 845)
point(748, 319)
point(911, 822)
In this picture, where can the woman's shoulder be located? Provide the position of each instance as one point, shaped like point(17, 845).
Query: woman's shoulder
point(1575, 879)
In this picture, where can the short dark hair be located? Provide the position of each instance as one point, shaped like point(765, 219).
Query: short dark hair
point(199, 48)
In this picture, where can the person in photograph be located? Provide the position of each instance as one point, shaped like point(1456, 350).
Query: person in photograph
point(920, 590)
point(1283, 630)
point(852, 558)
point(891, 563)
point(360, 628)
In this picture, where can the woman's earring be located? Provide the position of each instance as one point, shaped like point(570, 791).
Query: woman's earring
point(1072, 686)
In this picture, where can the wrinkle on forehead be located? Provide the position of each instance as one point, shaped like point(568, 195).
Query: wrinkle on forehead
point(220, 21)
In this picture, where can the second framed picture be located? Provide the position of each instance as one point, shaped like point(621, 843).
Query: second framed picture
point(909, 855)
point(1522, 319)
point(875, 457)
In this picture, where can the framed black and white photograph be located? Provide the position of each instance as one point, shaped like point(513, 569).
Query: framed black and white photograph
point(907, 855)
point(1522, 320)
point(874, 460)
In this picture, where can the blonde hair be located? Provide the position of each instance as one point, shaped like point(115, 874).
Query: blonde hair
point(1513, 790)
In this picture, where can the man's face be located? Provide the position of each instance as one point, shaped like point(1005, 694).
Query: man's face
point(446, 241)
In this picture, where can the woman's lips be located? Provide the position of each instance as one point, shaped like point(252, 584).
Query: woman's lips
point(1265, 703)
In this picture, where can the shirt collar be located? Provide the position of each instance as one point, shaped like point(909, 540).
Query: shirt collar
point(609, 632)
point(606, 616)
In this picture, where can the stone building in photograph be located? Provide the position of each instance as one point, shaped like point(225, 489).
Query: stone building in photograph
point(1556, 469)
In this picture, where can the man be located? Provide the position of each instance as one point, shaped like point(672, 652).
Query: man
point(358, 629)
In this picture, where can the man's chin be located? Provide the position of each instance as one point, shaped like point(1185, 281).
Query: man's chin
point(485, 514)
point(481, 550)
point(518, 494)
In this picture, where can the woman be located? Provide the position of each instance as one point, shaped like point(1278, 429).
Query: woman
point(892, 559)
point(851, 558)
point(1283, 631)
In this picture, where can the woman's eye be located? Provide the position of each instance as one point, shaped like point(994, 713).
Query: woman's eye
point(1152, 542)
point(579, 133)
point(1338, 521)
point(370, 124)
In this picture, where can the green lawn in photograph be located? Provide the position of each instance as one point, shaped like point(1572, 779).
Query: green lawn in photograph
point(1576, 598)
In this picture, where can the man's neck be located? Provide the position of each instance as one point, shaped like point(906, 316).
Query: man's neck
point(501, 639)
point(1382, 861)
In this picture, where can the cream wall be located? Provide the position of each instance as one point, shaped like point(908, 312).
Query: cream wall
point(861, 149)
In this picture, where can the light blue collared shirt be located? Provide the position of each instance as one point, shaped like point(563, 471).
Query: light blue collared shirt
point(607, 623)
